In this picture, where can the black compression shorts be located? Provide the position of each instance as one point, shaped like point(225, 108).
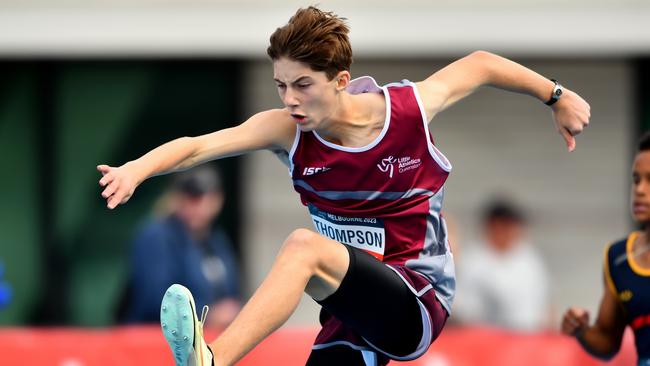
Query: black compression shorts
point(374, 302)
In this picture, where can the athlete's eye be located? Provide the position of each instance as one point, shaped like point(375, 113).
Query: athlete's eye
point(281, 86)
point(303, 86)
point(636, 179)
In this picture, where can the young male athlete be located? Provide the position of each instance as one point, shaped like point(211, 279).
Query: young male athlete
point(363, 161)
point(626, 298)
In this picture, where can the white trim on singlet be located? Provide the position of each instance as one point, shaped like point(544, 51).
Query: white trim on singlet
point(353, 87)
point(408, 284)
point(292, 151)
point(438, 156)
point(340, 343)
point(400, 84)
point(374, 143)
point(363, 195)
point(369, 356)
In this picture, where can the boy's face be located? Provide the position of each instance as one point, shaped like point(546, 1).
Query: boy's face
point(641, 187)
point(307, 94)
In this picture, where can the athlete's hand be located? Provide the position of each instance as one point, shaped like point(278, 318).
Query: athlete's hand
point(575, 321)
point(571, 114)
point(119, 183)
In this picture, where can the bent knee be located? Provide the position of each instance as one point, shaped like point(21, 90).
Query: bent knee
point(309, 247)
point(300, 238)
point(300, 243)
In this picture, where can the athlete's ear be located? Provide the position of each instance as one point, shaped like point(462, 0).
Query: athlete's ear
point(342, 80)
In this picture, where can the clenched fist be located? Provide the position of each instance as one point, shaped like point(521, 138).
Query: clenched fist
point(571, 115)
point(575, 321)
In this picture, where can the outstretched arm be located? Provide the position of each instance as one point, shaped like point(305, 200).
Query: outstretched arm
point(272, 129)
point(462, 77)
point(603, 339)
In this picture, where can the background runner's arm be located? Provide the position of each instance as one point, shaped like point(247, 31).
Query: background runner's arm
point(462, 77)
point(603, 339)
point(266, 130)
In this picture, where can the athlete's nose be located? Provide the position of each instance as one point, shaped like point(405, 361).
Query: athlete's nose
point(641, 188)
point(289, 98)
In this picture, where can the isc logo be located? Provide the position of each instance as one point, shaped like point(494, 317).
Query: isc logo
point(314, 170)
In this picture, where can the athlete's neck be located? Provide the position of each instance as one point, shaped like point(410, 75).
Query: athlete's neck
point(356, 122)
point(641, 249)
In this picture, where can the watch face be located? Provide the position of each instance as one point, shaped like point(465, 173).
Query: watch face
point(558, 93)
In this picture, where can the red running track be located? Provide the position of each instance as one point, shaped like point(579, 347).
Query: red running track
point(145, 345)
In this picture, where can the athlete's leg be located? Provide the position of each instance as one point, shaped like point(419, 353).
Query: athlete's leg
point(307, 262)
point(375, 302)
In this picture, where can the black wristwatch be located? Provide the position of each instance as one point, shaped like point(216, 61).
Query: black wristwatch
point(556, 94)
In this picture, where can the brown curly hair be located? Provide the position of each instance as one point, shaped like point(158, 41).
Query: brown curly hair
point(316, 38)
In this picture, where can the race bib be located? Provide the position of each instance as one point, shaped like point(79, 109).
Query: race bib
point(365, 233)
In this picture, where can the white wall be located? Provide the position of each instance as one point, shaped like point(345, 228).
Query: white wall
point(497, 142)
point(236, 28)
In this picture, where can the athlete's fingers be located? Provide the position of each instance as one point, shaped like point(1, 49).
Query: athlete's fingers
point(569, 320)
point(106, 179)
point(126, 198)
point(114, 201)
point(579, 313)
point(103, 168)
point(120, 196)
point(574, 325)
point(576, 130)
point(578, 319)
point(112, 188)
point(568, 327)
point(574, 321)
point(568, 138)
point(582, 316)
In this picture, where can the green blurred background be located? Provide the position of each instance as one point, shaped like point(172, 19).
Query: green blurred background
point(64, 252)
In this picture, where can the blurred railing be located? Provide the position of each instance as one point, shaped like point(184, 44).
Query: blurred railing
point(143, 346)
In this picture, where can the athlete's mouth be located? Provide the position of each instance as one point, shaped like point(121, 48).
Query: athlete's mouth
point(299, 117)
point(640, 207)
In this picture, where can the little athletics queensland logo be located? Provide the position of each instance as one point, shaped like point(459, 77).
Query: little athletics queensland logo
point(388, 165)
point(365, 233)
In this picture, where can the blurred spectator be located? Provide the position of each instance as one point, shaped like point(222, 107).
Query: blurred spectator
point(502, 281)
point(185, 247)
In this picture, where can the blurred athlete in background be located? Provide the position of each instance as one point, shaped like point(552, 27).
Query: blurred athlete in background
point(626, 298)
